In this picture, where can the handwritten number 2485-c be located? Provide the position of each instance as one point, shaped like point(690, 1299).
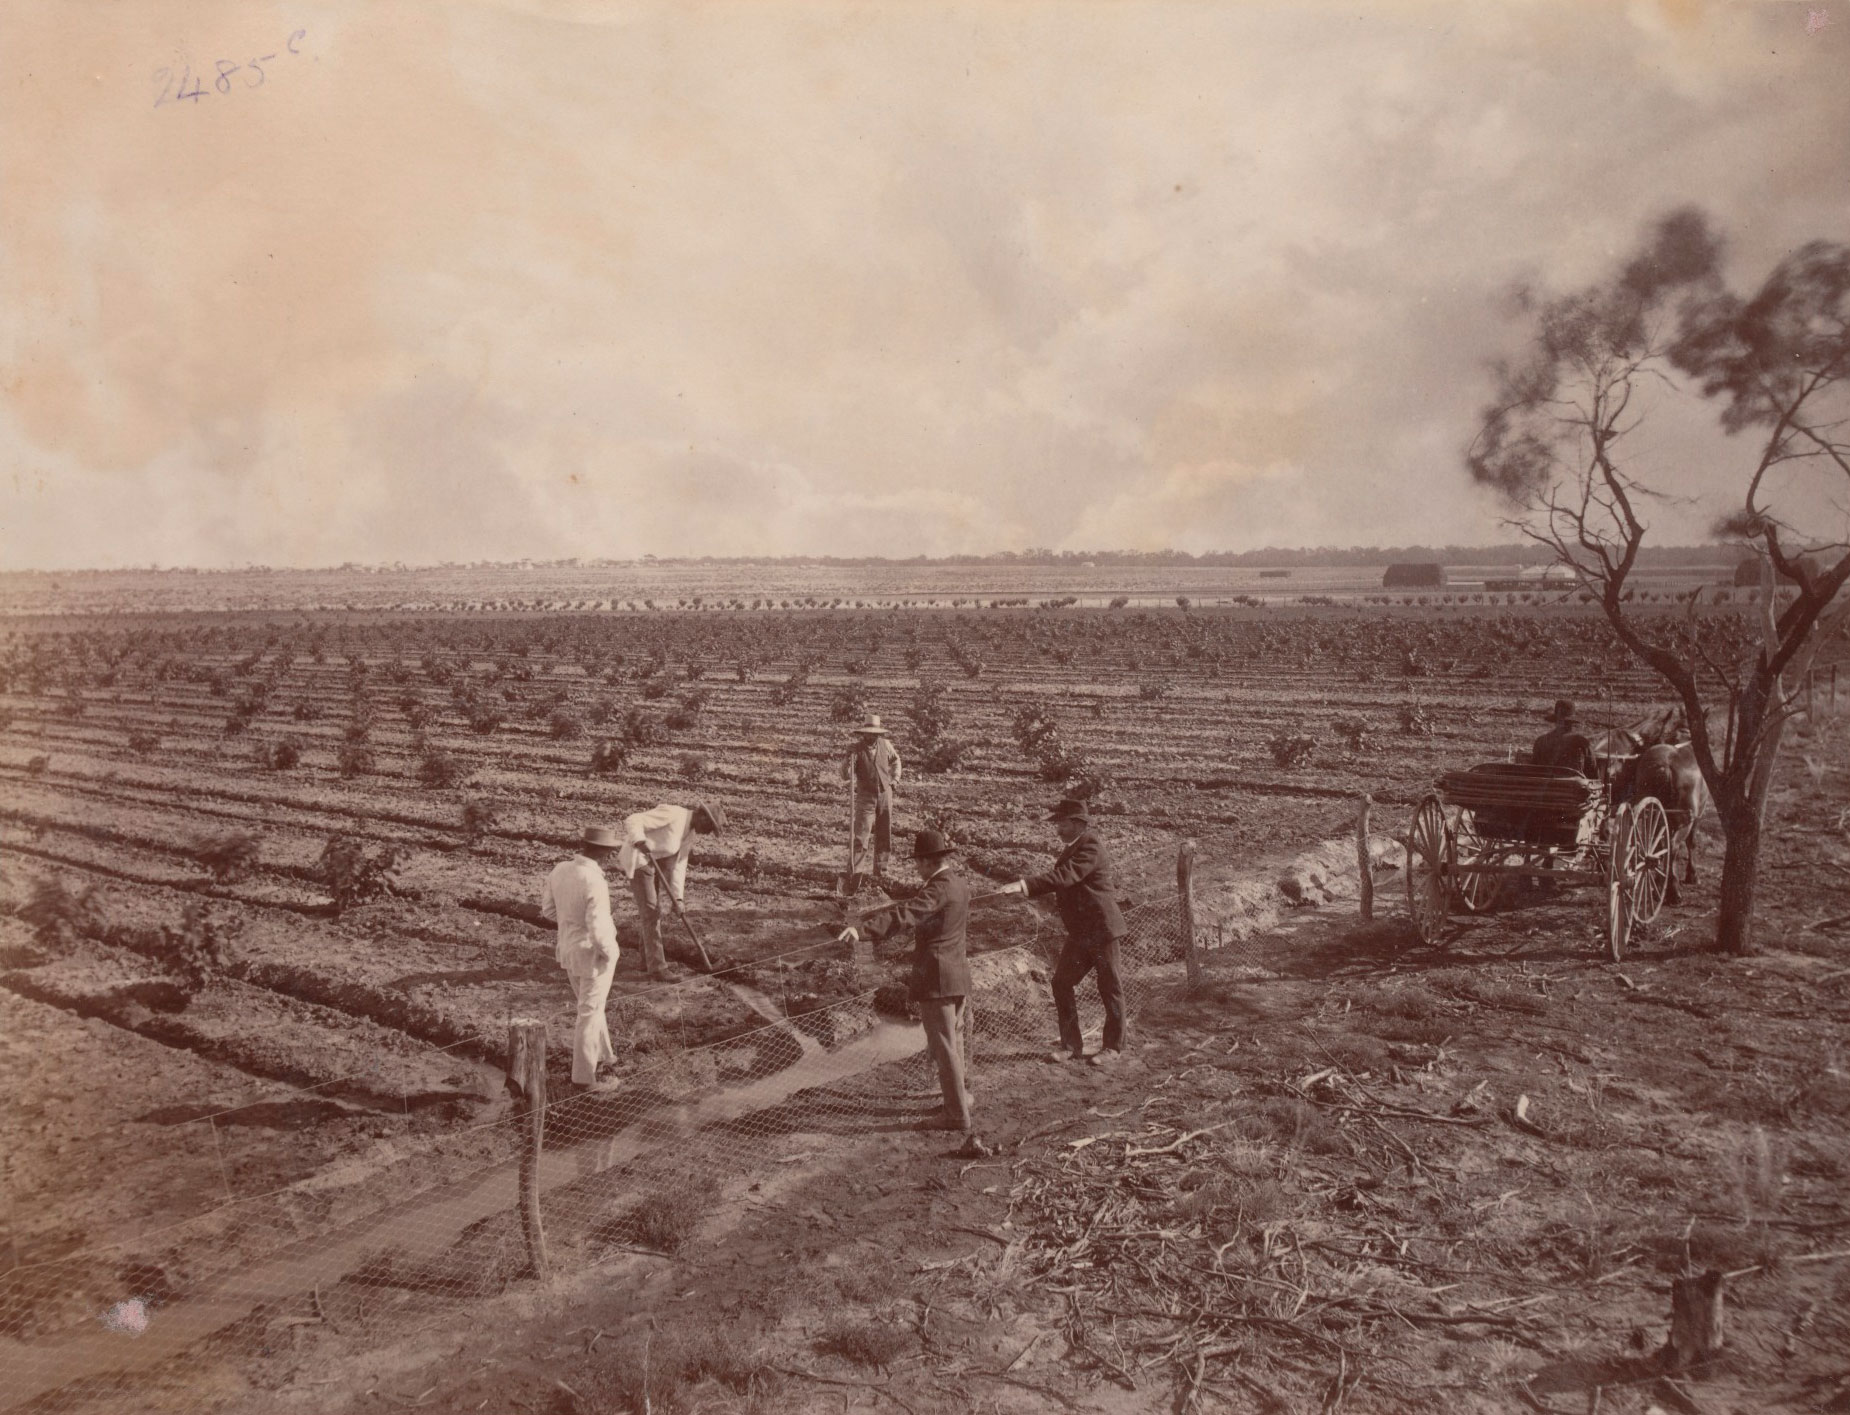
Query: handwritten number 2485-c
point(193, 87)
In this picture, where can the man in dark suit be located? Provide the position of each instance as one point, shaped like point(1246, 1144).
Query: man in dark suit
point(938, 916)
point(1563, 744)
point(1087, 897)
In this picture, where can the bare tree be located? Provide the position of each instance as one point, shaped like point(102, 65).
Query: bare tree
point(1562, 442)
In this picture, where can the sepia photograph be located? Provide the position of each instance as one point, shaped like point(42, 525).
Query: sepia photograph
point(925, 707)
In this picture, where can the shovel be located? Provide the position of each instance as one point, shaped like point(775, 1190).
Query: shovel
point(680, 913)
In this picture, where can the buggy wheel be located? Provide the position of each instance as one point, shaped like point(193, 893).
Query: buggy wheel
point(1479, 894)
point(1618, 895)
point(1645, 875)
point(1429, 874)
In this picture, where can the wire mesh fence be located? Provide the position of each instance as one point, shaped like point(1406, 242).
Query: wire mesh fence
point(399, 1237)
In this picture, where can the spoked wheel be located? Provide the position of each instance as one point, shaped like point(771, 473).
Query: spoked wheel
point(1618, 894)
point(1429, 874)
point(1645, 874)
point(1479, 893)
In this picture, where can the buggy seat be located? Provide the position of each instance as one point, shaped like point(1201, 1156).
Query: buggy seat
point(1539, 805)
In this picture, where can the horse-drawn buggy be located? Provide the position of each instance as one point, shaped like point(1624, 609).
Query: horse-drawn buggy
point(1481, 834)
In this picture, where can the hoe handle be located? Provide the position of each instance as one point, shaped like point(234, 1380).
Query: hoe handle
point(681, 913)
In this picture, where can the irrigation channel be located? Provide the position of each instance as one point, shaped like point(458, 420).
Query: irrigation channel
point(441, 1215)
point(429, 1223)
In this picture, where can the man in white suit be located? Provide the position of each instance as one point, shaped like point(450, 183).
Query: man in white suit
point(577, 898)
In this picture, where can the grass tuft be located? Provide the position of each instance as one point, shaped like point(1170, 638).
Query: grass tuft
point(667, 1218)
point(865, 1343)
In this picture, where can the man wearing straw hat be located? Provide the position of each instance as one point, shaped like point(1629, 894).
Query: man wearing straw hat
point(1086, 894)
point(577, 899)
point(938, 915)
point(872, 770)
point(1564, 744)
point(656, 845)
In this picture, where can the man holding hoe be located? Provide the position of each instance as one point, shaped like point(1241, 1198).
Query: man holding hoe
point(656, 845)
point(872, 770)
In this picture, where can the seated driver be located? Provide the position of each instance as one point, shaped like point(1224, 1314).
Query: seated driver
point(1563, 744)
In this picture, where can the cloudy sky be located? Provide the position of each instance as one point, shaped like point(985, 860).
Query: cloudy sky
point(471, 280)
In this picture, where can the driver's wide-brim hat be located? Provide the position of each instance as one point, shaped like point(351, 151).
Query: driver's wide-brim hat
point(1563, 712)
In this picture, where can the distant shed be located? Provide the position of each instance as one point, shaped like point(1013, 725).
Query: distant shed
point(1420, 575)
point(1536, 577)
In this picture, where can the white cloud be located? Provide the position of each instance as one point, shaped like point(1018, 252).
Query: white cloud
point(550, 279)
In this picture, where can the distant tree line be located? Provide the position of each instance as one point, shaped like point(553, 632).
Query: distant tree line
point(1269, 557)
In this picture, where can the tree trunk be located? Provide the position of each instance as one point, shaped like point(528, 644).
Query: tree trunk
point(1734, 925)
point(1744, 825)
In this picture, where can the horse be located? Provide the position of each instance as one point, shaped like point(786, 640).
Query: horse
point(1617, 743)
point(1666, 769)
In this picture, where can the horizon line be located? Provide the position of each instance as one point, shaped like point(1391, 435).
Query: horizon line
point(1295, 556)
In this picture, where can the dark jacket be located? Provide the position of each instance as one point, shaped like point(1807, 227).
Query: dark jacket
point(871, 768)
point(938, 916)
point(1564, 745)
point(1087, 896)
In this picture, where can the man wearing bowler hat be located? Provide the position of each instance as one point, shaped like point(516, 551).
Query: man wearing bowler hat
point(1563, 744)
point(937, 915)
point(656, 845)
point(577, 899)
point(872, 770)
point(1086, 894)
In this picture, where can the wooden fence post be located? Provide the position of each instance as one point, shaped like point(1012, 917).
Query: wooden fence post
point(1695, 1320)
point(1365, 874)
point(1185, 888)
point(526, 1080)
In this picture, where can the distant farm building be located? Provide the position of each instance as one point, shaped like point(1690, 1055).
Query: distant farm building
point(1275, 574)
point(1548, 577)
point(1536, 577)
point(1416, 575)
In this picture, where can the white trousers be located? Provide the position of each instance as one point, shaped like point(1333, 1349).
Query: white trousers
point(591, 1044)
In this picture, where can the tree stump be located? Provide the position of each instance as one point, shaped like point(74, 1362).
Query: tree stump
point(1185, 890)
point(526, 1081)
point(1695, 1320)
